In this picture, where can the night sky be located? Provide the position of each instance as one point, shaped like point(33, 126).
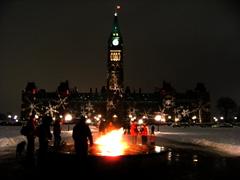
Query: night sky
point(182, 42)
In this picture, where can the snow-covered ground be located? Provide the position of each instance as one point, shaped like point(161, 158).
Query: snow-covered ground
point(225, 140)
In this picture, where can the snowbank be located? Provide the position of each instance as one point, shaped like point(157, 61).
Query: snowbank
point(10, 136)
point(225, 140)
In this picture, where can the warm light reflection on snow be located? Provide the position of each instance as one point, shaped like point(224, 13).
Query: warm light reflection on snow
point(159, 149)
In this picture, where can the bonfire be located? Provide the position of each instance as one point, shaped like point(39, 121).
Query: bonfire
point(112, 143)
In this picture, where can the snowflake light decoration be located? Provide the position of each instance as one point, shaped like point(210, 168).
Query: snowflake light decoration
point(32, 107)
point(51, 110)
point(61, 103)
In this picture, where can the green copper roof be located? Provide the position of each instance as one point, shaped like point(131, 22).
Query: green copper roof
point(115, 28)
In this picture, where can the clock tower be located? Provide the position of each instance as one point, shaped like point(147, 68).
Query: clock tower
point(114, 107)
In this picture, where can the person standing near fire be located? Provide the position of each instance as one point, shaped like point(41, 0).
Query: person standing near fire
point(29, 132)
point(110, 127)
point(144, 134)
point(81, 135)
point(44, 136)
point(134, 132)
point(57, 133)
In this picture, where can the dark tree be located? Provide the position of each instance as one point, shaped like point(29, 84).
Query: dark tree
point(225, 106)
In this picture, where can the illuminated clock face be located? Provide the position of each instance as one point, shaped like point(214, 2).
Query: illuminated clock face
point(115, 42)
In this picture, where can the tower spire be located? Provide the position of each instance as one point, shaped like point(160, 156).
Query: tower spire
point(117, 8)
point(115, 28)
point(114, 105)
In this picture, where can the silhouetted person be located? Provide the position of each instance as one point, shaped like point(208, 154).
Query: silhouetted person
point(29, 132)
point(126, 128)
point(57, 133)
point(152, 129)
point(152, 137)
point(44, 135)
point(102, 127)
point(81, 135)
point(144, 134)
point(110, 127)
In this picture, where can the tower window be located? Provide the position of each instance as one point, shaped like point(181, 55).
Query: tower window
point(115, 55)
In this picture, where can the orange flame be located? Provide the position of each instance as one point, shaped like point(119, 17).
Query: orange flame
point(112, 143)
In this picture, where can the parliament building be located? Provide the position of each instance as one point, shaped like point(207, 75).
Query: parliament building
point(116, 103)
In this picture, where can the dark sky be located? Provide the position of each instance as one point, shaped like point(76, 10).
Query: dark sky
point(182, 42)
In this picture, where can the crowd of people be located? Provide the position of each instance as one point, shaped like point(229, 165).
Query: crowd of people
point(147, 136)
point(41, 129)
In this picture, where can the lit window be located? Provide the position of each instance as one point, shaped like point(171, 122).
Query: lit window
point(115, 55)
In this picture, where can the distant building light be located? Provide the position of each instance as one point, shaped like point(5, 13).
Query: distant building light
point(15, 117)
point(169, 117)
point(140, 121)
point(194, 117)
point(157, 117)
point(235, 117)
point(176, 119)
point(163, 119)
point(88, 121)
point(68, 117)
point(9, 116)
point(221, 117)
